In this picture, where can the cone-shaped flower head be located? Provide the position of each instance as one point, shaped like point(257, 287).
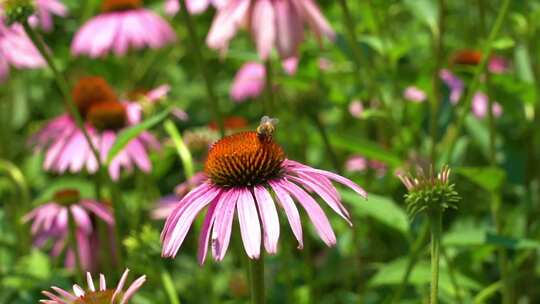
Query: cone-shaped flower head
point(429, 192)
point(100, 295)
point(105, 117)
point(242, 172)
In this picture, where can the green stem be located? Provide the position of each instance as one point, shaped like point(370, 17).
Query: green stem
point(326, 141)
point(413, 259)
point(435, 223)
point(452, 274)
point(208, 80)
point(119, 223)
point(269, 79)
point(454, 131)
point(256, 280)
point(63, 85)
point(438, 46)
point(353, 39)
point(181, 148)
point(168, 286)
point(73, 242)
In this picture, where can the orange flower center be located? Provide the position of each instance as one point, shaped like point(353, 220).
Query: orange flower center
point(67, 196)
point(244, 159)
point(97, 297)
point(110, 115)
point(91, 90)
point(120, 5)
point(231, 123)
point(468, 57)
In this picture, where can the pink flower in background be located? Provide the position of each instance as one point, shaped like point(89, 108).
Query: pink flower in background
point(414, 94)
point(480, 105)
point(50, 222)
point(325, 64)
point(235, 185)
point(249, 82)
point(290, 65)
point(272, 23)
point(454, 84)
point(356, 108)
point(66, 148)
point(168, 203)
point(193, 6)
point(92, 295)
point(122, 25)
point(498, 65)
point(16, 50)
point(45, 9)
point(358, 163)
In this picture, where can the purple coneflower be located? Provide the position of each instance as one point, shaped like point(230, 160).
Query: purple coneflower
point(243, 170)
point(356, 108)
point(193, 6)
point(123, 24)
point(249, 82)
point(168, 203)
point(65, 144)
point(45, 9)
point(480, 106)
point(50, 221)
point(103, 295)
point(272, 23)
point(454, 84)
point(16, 49)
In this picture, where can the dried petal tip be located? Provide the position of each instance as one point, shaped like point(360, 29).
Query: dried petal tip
point(429, 192)
point(18, 11)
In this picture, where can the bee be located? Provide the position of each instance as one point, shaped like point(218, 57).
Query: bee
point(267, 127)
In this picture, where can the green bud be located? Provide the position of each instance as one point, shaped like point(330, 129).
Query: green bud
point(429, 193)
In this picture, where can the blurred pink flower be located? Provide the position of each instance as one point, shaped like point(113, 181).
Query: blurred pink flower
point(414, 94)
point(480, 106)
point(119, 27)
point(67, 149)
point(45, 9)
point(16, 50)
point(356, 108)
point(454, 84)
point(50, 222)
point(290, 65)
point(234, 183)
point(356, 163)
point(103, 295)
point(498, 65)
point(272, 23)
point(168, 203)
point(194, 6)
point(325, 64)
point(249, 82)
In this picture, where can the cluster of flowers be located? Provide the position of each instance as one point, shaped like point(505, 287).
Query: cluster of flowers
point(229, 184)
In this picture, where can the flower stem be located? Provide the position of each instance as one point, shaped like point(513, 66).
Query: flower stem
point(73, 242)
point(270, 98)
point(326, 140)
point(349, 24)
point(168, 286)
point(438, 49)
point(413, 259)
point(453, 131)
point(256, 280)
point(63, 85)
point(208, 80)
point(435, 223)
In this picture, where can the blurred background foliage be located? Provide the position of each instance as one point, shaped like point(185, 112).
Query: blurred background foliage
point(396, 40)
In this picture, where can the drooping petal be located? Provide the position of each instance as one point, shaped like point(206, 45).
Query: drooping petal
point(132, 289)
point(206, 230)
point(287, 203)
point(314, 211)
point(269, 218)
point(221, 233)
point(290, 31)
point(250, 228)
point(263, 27)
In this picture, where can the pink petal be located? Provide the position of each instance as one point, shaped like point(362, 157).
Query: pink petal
point(206, 230)
point(221, 233)
point(290, 31)
point(263, 27)
point(287, 203)
point(269, 218)
point(250, 228)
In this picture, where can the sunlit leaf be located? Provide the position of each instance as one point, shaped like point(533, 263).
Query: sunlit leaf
point(489, 178)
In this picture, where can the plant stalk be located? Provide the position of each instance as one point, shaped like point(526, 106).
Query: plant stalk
point(438, 48)
point(436, 227)
point(208, 80)
point(270, 96)
point(73, 241)
point(256, 280)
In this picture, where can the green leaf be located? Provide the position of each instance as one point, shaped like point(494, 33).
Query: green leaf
point(523, 64)
point(181, 148)
point(127, 135)
point(425, 11)
point(471, 236)
point(382, 209)
point(479, 133)
point(392, 273)
point(489, 178)
point(366, 148)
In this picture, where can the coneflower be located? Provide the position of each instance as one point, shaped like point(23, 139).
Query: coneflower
point(93, 295)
